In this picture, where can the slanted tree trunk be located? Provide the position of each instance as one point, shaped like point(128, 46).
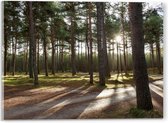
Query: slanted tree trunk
point(101, 42)
point(139, 63)
point(33, 43)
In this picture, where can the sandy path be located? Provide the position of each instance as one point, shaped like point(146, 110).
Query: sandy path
point(79, 103)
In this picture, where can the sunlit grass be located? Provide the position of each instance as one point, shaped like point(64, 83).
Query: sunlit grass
point(66, 79)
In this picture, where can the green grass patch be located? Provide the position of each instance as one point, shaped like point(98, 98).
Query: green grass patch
point(66, 79)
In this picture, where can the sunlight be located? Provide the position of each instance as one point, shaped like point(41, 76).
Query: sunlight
point(118, 38)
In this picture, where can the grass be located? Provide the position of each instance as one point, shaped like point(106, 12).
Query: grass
point(66, 79)
point(138, 113)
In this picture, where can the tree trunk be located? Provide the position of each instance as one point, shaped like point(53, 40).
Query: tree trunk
point(26, 58)
point(158, 57)
point(45, 55)
point(118, 70)
point(33, 41)
point(30, 58)
point(152, 54)
point(38, 56)
point(62, 57)
point(73, 54)
point(123, 39)
point(5, 51)
point(53, 51)
point(14, 56)
point(139, 63)
point(101, 42)
point(90, 41)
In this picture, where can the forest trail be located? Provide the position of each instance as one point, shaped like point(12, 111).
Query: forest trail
point(76, 103)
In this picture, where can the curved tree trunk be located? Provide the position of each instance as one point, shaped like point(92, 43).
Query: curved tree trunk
point(139, 63)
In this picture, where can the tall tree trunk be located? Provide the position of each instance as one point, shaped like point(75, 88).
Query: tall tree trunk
point(101, 42)
point(158, 57)
point(30, 59)
point(45, 55)
point(38, 56)
point(26, 57)
point(118, 70)
point(152, 54)
point(113, 57)
point(5, 51)
point(33, 41)
point(123, 39)
point(73, 54)
point(139, 63)
point(90, 42)
point(62, 56)
point(53, 51)
point(14, 55)
point(121, 69)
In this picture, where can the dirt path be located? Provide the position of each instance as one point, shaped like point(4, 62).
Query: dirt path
point(71, 103)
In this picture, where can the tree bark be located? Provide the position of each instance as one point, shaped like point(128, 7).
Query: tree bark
point(14, 55)
point(33, 41)
point(158, 57)
point(101, 42)
point(45, 56)
point(139, 63)
point(38, 56)
point(73, 54)
point(152, 54)
point(5, 51)
point(90, 42)
point(53, 51)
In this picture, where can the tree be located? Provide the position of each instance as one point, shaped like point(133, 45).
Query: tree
point(90, 40)
point(153, 28)
point(101, 42)
point(139, 64)
point(33, 43)
point(30, 47)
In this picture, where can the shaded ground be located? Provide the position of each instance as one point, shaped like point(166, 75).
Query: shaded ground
point(62, 97)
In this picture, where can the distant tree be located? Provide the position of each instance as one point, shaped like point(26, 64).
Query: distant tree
point(139, 63)
point(153, 28)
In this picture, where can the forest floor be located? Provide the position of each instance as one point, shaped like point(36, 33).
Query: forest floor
point(65, 97)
